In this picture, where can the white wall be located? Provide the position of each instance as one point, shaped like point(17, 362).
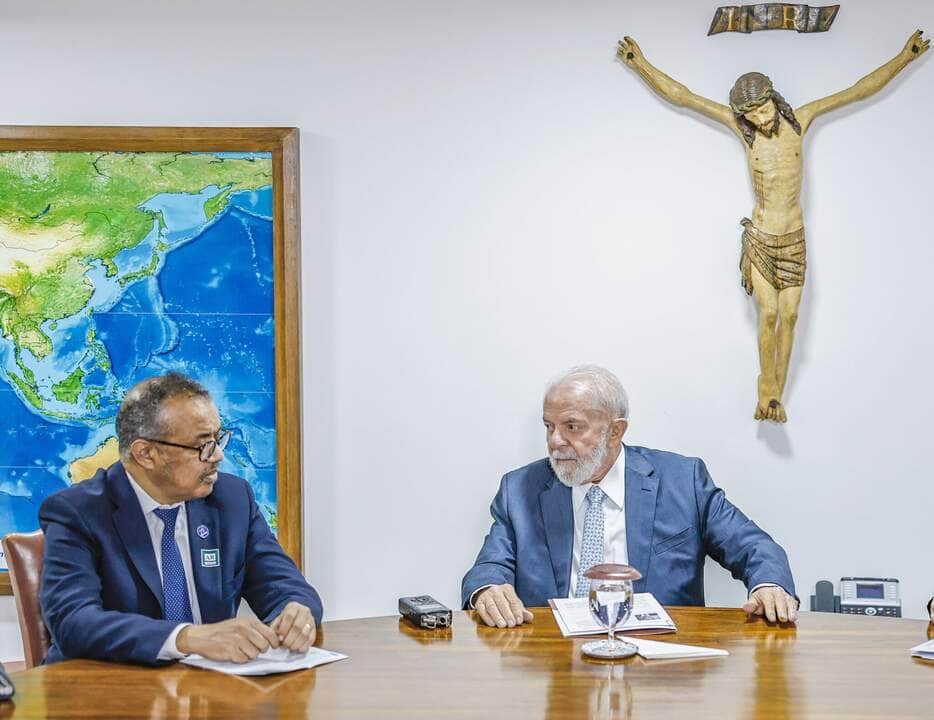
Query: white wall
point(489, 197)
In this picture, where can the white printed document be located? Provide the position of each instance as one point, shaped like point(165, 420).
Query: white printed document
point(924, 650)
point(274, 660)
point(574, 617)
point(654, 650)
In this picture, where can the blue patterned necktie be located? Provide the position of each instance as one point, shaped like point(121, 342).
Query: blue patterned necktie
point(592, 540)
point(174, 586)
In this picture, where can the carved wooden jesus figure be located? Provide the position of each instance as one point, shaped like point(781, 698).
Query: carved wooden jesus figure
point(773, 254)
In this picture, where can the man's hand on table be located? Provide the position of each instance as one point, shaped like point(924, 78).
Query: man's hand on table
point(242, 639)
point(499, 606)
point(295, 627)
point(237, 640)
point(772, 602)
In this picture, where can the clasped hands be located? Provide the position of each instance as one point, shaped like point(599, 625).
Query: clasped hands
point(499, 606)
point(242, 639)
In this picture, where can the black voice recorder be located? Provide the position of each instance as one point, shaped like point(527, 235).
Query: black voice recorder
point(425, 612)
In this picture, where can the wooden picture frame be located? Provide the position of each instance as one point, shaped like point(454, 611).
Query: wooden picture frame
point(283, 144)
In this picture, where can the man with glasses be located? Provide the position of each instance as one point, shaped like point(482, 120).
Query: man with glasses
point(148, 560)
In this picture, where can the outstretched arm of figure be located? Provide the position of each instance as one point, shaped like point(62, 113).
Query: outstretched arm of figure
point(867, 86)
point(669, 89)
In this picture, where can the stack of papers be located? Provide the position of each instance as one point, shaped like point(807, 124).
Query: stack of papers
point(924, 650)
point(275, 660)
point(574, 617)
point(648, 616)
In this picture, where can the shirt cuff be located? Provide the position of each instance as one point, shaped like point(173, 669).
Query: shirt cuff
point(474, 594)
point(169, 650)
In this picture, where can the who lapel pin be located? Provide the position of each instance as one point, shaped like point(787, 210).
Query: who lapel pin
point(210, 558)
point(203, 531)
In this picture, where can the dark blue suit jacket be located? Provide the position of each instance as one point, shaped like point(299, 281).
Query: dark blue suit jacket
point(101, 593)
point(675, 517)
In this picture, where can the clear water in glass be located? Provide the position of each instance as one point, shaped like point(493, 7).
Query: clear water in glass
point(611, 605)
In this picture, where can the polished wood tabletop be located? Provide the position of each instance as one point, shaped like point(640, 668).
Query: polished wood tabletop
point(829, 666)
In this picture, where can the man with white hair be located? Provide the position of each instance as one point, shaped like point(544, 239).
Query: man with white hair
point(595, 500)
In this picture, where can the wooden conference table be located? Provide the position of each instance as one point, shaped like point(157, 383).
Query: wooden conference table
point(837, 666)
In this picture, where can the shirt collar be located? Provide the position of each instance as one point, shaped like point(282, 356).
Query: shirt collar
point(146, 501)
point(613, 484)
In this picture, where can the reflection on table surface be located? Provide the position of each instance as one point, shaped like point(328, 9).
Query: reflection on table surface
point(827, 666)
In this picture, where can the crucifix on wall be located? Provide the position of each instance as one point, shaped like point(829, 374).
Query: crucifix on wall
point(773, 246)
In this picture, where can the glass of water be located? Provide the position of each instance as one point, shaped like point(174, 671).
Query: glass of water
point(611, 604)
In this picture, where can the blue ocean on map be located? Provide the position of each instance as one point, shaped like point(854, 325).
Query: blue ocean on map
point(207, 311)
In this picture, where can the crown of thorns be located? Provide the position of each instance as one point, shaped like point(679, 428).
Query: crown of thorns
point(749, 92)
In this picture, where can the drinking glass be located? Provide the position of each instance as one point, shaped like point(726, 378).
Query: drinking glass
point(611, 604)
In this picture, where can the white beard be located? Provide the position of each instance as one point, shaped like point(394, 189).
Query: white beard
point(584, 470)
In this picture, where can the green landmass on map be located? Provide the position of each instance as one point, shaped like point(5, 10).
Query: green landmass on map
point(28, 389)
point(69, 389)
point(273, 517)
point(150, 269)
point(60, 211)
point(216, 203)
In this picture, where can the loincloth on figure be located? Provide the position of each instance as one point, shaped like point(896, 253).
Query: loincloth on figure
point(779, 258)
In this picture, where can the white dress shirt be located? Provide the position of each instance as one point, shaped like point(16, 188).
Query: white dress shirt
point(169, 650)
point(614, 518)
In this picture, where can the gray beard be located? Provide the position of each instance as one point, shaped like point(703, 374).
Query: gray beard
point(584, 471)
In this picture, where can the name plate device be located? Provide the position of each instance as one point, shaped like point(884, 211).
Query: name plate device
point(870, 596)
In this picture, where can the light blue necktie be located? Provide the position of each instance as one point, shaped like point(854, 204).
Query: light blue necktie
point(592, 540)
point(174, 586)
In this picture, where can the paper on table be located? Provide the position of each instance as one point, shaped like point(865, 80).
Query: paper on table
point(275, 660)
point(924, 650)
point(574, 617)
point(654, 650)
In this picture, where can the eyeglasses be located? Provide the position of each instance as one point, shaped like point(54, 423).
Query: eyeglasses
point(205, 451)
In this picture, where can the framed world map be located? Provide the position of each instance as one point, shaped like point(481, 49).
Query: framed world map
point(129, 252)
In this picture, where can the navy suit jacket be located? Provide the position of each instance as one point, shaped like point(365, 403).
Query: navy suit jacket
point(675, 517)
point(101, 593)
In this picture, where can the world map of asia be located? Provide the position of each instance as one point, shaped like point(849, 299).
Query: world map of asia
point(117, 266)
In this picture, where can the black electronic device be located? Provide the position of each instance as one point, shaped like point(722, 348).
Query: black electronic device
point(870, 596)
point(424, 611)
point(823, 599)
point(859, 596)
point(6, 685)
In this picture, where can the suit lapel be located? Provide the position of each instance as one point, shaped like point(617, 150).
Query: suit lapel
point(203, 517)
point(641, 496)
point(133, 531)
point(559, 531)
